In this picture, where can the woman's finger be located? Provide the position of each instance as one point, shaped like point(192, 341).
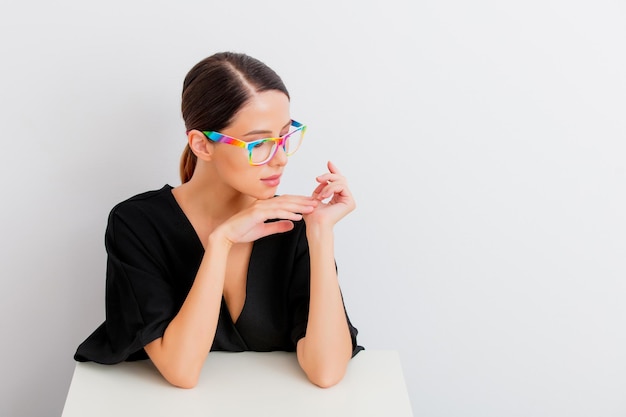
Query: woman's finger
point(333, 168)
point(280, 226)
point(329, 177)
point(292, 207)
point(319, 189)
point(297, 205)
point(334, 188)
point(288, 199)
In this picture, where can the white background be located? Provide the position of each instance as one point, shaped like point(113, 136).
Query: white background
point(484, 141)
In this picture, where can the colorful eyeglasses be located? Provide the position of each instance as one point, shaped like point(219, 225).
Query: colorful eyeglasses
point(263, 150)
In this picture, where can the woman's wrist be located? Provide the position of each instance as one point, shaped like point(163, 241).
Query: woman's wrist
point(318, 231)
point(217, 239)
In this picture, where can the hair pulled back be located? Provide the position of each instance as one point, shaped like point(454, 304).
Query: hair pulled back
point(215, 89)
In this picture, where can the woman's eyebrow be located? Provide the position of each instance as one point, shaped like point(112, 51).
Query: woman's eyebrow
point(265, 132)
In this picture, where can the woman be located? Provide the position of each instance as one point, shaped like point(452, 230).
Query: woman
point(220, 262)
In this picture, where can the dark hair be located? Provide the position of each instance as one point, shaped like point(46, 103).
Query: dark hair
point(215, 89)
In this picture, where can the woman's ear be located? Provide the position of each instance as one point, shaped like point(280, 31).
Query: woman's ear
point(200, 145)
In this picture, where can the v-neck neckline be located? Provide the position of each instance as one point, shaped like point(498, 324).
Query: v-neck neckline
point(189, 225)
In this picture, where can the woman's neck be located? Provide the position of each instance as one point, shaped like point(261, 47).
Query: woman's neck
point(213, 201)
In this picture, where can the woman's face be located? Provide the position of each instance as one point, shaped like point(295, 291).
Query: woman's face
point(265, 115)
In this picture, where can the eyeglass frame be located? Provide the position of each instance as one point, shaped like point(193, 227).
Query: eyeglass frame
point(218, 137)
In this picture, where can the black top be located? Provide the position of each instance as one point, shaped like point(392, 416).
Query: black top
point(153, 256)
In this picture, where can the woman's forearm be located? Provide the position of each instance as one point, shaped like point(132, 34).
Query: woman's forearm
point(180, 354)
point(326, 349)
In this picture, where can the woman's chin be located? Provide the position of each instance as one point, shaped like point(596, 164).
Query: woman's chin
point(265, 194)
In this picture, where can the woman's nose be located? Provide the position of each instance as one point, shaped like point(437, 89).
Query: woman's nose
point(280, 157)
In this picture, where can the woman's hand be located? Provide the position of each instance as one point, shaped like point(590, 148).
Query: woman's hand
point(249, 225)
point(332, 185)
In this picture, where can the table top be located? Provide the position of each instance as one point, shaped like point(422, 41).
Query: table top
point(241, 384)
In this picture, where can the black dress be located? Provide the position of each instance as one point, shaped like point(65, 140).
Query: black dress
point(153, 256)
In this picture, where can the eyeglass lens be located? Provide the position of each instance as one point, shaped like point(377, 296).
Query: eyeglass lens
point(264, 151)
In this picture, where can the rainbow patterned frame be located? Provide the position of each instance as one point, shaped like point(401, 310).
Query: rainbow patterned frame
point(221, 138)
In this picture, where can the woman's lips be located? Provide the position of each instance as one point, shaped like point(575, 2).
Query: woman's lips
point(272, 181)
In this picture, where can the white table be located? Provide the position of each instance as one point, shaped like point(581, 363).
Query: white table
point(241, 384)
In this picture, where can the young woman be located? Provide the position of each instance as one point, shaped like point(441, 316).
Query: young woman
point(220, 262)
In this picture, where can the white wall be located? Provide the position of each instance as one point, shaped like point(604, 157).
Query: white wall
point(485, 142)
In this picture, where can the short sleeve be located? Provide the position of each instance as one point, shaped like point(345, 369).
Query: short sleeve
point(139, 299)
point(300, 294)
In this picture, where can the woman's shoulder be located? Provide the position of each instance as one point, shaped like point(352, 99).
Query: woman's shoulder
point(146, 198)
point(153, 222)
point(148, 204)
